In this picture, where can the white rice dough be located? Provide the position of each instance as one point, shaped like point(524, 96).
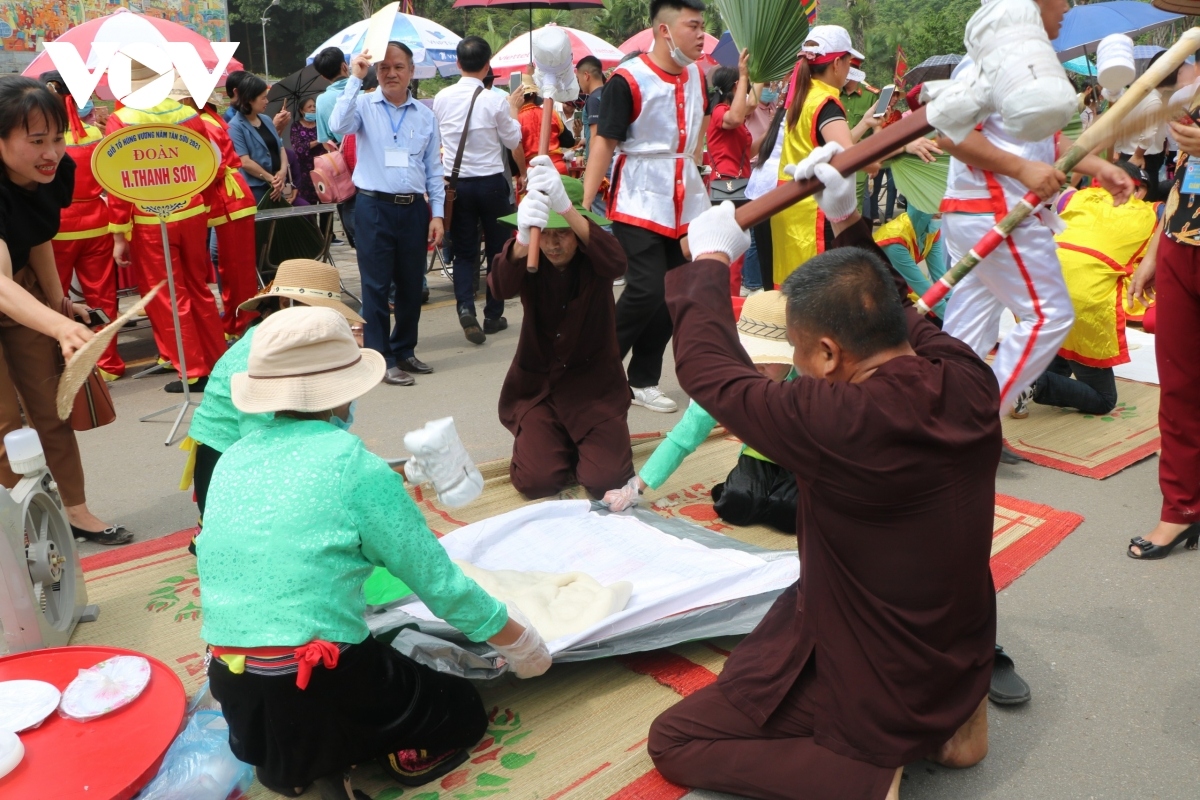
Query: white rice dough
point(558, 604)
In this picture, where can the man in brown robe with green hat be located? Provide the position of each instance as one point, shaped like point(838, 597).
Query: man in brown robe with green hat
point(565, 398)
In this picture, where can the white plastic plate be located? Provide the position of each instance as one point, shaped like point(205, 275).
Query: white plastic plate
point(24, 704)
point(104, 688)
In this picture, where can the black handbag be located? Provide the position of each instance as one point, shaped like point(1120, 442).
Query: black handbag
point(733, 189)
point(723, 189)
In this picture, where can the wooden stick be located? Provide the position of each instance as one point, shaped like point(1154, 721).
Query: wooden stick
point(848, 162)
point(535, 234)
point(1100, 131)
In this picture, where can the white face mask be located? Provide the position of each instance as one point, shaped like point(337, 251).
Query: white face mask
point(678, 55)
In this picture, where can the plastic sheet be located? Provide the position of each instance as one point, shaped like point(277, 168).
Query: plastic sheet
point(199, 764)
point(442, 647)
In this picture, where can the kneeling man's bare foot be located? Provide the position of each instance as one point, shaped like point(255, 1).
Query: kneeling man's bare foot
point(894, 792)
point(969, 744)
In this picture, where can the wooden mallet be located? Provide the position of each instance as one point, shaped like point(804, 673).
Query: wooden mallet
point(551, 55)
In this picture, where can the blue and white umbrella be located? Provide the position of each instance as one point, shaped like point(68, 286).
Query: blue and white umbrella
point(433, 46)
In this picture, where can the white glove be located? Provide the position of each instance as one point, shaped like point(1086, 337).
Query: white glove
point(625, 497)
point(544, 178)
point(527, 656)
point(716, 231)
point(839, 197)
point(534, 212)
point(439, 457)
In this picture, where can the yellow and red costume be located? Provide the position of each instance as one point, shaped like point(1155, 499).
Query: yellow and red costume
point(187, 234)
point(232, 214)
point(1099, 251)
point(84, 245)
point(530, 118)
point(798, 232)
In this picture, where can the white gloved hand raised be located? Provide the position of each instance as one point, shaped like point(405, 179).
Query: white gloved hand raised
point(544, 178)
point(839, 197)
point(527, 656)
point(716, 231)
point(440, 458)
point(534, 212)
point(625, 497)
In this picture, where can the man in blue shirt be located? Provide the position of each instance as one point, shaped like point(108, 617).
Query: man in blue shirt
point(399, 162)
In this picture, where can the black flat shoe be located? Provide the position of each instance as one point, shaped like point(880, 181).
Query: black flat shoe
point(112, 535)
point(1007, 687)
point(1010, 456)
point(176, 387)
point(1151, 551)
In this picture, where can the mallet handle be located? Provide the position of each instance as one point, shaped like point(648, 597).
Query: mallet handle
point(535, 234)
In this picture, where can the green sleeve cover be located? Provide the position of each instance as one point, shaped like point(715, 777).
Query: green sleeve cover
point(693, 428)
point(394, 535)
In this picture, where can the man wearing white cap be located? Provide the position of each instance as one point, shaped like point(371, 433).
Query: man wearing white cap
point(990, 171)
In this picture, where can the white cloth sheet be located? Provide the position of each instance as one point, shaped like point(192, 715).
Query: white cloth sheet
point(669, 575)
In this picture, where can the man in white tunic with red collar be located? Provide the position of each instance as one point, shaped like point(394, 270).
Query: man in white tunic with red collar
point(653, 115)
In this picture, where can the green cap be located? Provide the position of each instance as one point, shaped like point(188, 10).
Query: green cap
point(574, 188)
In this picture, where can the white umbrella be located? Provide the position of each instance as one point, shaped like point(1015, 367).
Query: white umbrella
point(514, 56)
point(433, 46)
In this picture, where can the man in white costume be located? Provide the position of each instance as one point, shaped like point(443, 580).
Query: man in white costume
point(653, 116)
point(990, 171)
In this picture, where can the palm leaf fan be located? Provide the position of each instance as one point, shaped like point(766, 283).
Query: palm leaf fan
point(772, 30)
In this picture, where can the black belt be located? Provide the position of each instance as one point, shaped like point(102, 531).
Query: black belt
point(395, 199)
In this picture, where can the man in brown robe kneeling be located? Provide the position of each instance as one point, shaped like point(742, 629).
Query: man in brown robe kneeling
point(881, 654)
point(565, 397)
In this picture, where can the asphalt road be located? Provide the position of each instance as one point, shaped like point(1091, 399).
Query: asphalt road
point(1109, 645)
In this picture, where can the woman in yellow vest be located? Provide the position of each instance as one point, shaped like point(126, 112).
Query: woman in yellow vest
point(908, 240)
point(1100, 249)
point(815, 116)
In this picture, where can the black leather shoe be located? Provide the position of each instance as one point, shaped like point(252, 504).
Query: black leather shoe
point(470, 325)
point(495, 325)
point(176, 387)
point(1010, 456)
point(415, 366)
point(398, 377)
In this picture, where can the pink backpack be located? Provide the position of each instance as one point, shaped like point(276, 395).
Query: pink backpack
point(331, 178)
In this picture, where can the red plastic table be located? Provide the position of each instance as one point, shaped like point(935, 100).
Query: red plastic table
point(108, 758)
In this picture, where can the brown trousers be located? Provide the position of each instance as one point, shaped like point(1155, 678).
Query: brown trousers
point(706, 742)
point(545, 456)
point(29, 374)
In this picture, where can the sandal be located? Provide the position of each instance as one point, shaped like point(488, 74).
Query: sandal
point(1007, 687)
point(1150, 550)
point(114, 534)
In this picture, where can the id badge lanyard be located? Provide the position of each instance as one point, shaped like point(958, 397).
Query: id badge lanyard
point(395, 156)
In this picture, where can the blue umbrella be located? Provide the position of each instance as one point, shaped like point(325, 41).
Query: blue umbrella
point(1084, 26)
point(726, 52)
point(1080, 66)
point(433, 46)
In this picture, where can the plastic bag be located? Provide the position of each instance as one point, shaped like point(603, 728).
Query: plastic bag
point(199, 764)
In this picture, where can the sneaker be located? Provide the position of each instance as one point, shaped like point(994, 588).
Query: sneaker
point(748, 291)
point(109, 377)
point(653, 399)
point(619, 281)
point(1020, 409)
point(419, 767)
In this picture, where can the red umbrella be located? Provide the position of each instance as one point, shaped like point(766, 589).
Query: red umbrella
point(515, 55)
point(642, 42)
point(126, 27)
point(557, 5)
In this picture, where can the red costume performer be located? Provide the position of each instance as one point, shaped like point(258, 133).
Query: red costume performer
point(200, 324)
point(232, 214)
point(84, 245)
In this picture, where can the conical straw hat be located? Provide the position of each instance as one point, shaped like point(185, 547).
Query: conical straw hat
point(86, 357)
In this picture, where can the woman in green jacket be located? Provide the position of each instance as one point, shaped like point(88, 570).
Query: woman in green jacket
point(299, 514)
